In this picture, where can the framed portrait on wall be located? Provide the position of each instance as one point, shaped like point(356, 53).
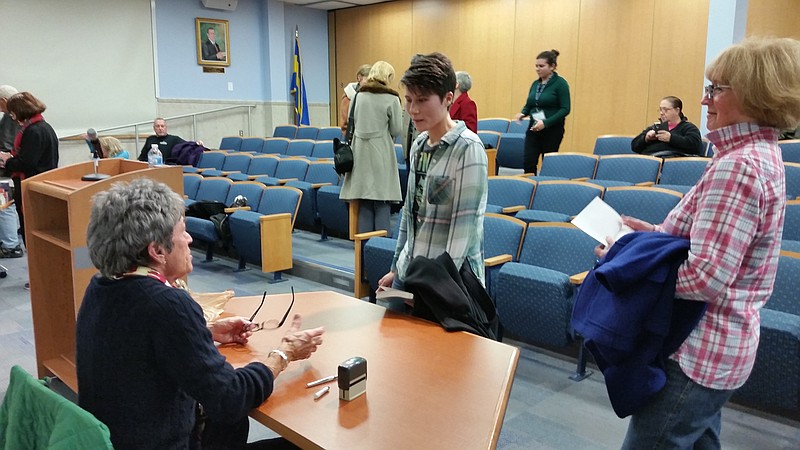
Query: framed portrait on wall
point(213, 42)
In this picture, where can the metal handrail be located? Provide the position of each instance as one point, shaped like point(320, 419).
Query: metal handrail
point(181, 116)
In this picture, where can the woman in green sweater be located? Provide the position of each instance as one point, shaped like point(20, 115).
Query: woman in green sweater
point(547, 106)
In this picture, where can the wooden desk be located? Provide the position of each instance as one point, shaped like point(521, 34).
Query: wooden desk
point(426, 388)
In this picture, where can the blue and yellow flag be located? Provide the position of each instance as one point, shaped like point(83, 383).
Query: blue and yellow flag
point(298, 86)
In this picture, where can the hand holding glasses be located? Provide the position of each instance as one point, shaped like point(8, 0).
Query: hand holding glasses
point(273, 323)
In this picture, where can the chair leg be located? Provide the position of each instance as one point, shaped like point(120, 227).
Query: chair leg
point(276, 277)
point(580, 371)
point(209, 252)
point(242, 265)
point(323, 233)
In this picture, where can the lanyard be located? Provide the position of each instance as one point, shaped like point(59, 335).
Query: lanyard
point(538, 94)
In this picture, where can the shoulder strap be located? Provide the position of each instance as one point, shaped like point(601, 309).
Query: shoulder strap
point(351, 126)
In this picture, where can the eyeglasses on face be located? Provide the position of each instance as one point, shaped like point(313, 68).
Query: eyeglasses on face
point(273, 323)
point(663, 110)
point(713, 89)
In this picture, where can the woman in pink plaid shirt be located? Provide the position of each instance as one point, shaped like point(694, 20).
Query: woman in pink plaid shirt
point(734, 220)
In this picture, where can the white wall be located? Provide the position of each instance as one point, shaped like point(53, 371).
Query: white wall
point(76, 58)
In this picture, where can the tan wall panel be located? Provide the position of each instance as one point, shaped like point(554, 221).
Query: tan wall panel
point(372, 33)
point(773, 18)
point(545, 25)
point(678, 57)
point(477, 35)
point(614, 42)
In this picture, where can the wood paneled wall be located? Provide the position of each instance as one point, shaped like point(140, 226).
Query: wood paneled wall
point(779, 18)
point(619, 56)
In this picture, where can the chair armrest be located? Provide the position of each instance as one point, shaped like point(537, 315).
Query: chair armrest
point(578, 278)
point(184, 196)
point(496, 260)
point(285, 180)
point(225, 173)
point(581, 179)
point(238, 208)
point(319, 185)
point(369, 235)
point(513, 209)
point(645, 183)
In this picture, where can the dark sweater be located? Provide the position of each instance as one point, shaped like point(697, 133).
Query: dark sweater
point(38, 150)
point(684, 138)
point(165, 144)
point(554, 101)
point(145, 358)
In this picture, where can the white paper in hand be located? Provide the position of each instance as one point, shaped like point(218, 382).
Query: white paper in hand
point(599, 220)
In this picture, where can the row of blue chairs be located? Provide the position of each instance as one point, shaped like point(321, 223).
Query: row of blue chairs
point(239, 143)
point(260, 233)
point(309, 148)
point(559, 201)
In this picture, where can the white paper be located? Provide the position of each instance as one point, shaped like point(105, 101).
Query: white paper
point(599, 220)
point(387, 292)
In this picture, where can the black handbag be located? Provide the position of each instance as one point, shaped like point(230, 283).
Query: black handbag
point(342, 152)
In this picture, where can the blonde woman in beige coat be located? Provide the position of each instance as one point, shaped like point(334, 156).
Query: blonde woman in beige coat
point(374, 180)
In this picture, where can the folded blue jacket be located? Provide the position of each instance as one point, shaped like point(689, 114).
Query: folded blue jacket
point(629, 318)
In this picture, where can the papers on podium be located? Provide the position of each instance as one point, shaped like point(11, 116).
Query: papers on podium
point(599, 220)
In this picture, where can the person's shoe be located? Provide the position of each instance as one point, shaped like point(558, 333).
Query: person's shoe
point(15, 252)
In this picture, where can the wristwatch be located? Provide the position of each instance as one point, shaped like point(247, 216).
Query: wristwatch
point(284, 358)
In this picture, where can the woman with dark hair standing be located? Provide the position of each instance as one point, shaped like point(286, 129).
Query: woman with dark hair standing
point(547, 106)
point(35, 147)
point(672, 135)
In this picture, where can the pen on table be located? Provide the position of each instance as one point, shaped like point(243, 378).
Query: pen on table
point(321, 381)
point(321, 392)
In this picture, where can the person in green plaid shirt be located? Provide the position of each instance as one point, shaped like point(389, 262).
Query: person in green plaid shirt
point(447, 181)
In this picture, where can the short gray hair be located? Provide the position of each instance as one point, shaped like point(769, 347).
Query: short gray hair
point(464, 81)
point(7, 91)
point(127, 218)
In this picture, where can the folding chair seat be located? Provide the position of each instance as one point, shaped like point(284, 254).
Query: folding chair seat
point(333, 212)
point(234, 163)
point(566, 166)
point(328, 133)
point(287, 169)
point(502, 240)
point(300, 147)
point(774, 382)
point(209, 160)
point(790, 150)
point(498, 124)
point(285, 131)
point(203, 230)
point(260, 165)
point(191, 182)
point(681, 174)
point(322, 150)
point(275, 146)
point(610, 144)
point(374, 252)
point(252, 145)
point(320, 173)
point(792, 180)
point(559, 201)
point(306, 132)
point(490, 139)
point(509, 194)
point(651, 204)
point(534, 296)
point(264, 235)
point(510, 150)
point(626, 170)
point(232, 143)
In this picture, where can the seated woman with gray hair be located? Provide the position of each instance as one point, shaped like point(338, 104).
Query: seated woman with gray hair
point(146, 360)
point(463, 107)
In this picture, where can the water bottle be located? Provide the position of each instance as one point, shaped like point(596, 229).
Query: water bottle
point(154, 158)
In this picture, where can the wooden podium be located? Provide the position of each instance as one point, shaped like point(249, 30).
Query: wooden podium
point(57, 205)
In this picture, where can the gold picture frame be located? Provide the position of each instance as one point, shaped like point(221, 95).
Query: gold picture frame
point(213, 42)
